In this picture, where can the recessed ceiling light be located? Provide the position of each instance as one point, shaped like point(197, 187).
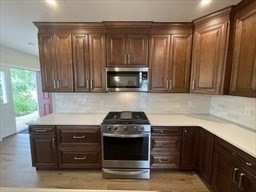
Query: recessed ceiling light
point(205, 2)
point(51, 2)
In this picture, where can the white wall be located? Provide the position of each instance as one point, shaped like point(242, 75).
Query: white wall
point(15, 58)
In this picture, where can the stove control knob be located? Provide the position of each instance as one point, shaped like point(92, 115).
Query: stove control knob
point(115, 128)
point(125, 128)
point(109, 128)
point(142, 128)
point(136, 128)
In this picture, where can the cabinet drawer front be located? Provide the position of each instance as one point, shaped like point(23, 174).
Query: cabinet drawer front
point(42, 129)
point(229, 150)
point(166, 162)
point(166, 144)
point(78, 136)
point(158, 130)
point(72, 159)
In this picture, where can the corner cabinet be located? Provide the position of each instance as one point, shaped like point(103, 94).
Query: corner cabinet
point(89, 62)
point(55, 53)
point(243, 79)
point(210, 43)
point(170, 51)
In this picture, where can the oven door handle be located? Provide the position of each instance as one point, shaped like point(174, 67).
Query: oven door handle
point(126, 135)
point(124, 172)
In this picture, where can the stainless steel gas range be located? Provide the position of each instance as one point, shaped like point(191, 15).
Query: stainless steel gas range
point(126, 144)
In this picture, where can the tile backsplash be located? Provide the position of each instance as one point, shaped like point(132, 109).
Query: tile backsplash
point(239, 110)
point(125, 101)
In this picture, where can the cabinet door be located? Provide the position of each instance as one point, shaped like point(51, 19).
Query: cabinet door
point(247, 182)
point(243, 81)
point(208, 59)
point(159, 61)
point(43, 150)
point(190, 145)
point(180, 63)
point(97, 63)
point(206, 154)
point(137, 50)
point(81, 62)
point(63, 51)
point(47, 62)
point(116, 50)
point(224, 174)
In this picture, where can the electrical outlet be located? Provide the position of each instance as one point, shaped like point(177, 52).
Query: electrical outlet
point(247, 110)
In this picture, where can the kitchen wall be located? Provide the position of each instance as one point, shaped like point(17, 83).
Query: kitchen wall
point(148, 102)
point(239, 110)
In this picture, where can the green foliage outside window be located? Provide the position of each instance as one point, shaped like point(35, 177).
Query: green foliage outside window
point(24, 87)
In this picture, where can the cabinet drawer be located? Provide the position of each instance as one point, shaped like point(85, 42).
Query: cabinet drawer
point(81, 159)
point(78, 135)
point(165, 161)
point(166, 144)
point(42, 129)
point(159, 130)
point(229, 150)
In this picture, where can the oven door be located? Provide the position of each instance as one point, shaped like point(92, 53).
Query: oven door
point(126, 150)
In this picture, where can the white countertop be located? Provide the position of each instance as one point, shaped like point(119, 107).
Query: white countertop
point(237, 135)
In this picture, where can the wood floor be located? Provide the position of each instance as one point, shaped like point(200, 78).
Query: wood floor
point(16, 171)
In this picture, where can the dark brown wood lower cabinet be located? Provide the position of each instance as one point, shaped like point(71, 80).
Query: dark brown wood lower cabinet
point(190, 148)
point(206, 154)
point(43, 151)
point(166, 147)
point(233, 170)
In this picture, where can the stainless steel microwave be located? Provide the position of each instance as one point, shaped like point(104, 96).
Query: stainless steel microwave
point(127, 79)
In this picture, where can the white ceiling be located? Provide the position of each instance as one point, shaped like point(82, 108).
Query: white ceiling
point(18, 31)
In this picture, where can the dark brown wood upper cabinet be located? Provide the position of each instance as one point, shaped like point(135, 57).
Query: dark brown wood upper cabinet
point(127, 50)
point(89, 62)
point(210, 45)
point(55, 53)
point(243, 79)
point(170, 51)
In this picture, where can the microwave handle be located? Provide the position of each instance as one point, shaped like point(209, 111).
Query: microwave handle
point(140, 79)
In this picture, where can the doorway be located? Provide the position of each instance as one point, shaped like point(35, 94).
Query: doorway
point(25, 99)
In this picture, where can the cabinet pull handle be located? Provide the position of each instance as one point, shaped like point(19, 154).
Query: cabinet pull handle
point(234, 175)
point(163, 160)
point(91, 84)
point(161, 145)
point(167, 84)
point(87, 84)
point(53, 143)
point(58, 84)
point(193, 84)
point(54, 84)
point(170, 85)
point(185, 134)
point(249, 164)
point(240, 181)
point(78, 137)
point(41, 130)
point(129, 59)
point(80, 158)
point(162, 131)
point(125, 59)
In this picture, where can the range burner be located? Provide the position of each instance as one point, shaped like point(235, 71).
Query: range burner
point(120, 117)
